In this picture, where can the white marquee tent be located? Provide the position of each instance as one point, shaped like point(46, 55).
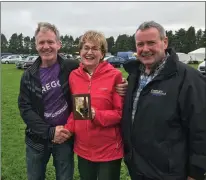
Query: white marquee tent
point(198, 54)
point(185, 58)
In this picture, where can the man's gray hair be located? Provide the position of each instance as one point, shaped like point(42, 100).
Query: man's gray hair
point(153, 24)
point(45, 26)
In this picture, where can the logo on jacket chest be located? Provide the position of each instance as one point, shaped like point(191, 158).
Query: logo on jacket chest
point(157, 92)
point(103, 89)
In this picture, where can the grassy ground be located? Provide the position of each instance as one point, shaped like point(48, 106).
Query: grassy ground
point(13, 146)
point(194, 65)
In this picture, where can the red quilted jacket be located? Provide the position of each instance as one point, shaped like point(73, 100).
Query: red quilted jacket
point(99, 139)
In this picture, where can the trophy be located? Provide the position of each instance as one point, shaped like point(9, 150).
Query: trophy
point(82, 107)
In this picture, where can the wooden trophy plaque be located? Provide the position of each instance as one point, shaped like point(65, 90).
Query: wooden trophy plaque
point(82, 106)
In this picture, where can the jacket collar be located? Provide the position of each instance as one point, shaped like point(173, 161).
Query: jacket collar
point(102, 68)
point(171, 63)
point(35, 66)
point(156, 67)
point(134, 67)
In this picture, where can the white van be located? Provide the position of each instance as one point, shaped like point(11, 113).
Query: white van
point(201, 67)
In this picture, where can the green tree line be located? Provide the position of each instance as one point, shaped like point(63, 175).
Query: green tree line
point(181, 40)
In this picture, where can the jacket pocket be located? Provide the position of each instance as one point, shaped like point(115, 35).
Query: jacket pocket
point(110, 133)
point(159, 155)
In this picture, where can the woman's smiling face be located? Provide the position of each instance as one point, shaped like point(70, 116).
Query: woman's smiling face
point(91, 54)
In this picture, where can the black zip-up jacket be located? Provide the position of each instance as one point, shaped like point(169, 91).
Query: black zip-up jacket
point(167, 140)
point(38, 132)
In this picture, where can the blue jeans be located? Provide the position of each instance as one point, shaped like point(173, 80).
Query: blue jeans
point(63, 161)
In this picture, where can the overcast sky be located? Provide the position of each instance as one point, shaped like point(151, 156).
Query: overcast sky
point(111, 18)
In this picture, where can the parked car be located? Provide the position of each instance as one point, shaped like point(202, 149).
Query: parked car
point(19, 64)
point(107, 57)
point(11, 59)
point(77, 58)
point(202, 67)
point(29, 61)
point(24, 56)
point(6, 54)
point(116, 61)
point(127, 55)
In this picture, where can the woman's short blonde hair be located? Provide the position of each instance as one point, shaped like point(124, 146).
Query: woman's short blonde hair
point(95, 37)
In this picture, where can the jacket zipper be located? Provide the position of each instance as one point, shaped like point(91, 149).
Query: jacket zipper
point(89, 87)
point(89, 91)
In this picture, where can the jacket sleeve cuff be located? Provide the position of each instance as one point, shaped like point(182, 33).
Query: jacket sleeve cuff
point(197, 173)
point(69, 128)
point(51, 133)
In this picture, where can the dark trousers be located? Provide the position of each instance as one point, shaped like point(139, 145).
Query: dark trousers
point(137, 176)
point(63, 161)
point(89, 170)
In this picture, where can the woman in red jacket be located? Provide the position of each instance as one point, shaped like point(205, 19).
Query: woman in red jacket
point(98, 142)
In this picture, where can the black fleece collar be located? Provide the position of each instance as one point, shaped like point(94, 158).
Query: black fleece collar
point(133, 67)
point(35, 66)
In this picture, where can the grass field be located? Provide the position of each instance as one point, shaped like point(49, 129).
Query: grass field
point(12, 131)
point(13, 146)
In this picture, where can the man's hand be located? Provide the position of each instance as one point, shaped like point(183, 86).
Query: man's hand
point(189, 178)
point(61, 135)
point(122, 88)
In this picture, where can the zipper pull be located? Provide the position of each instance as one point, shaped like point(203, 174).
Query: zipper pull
point(89, 87)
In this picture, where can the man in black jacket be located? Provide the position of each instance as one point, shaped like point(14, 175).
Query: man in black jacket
point(164, 117)
point(45, 104)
